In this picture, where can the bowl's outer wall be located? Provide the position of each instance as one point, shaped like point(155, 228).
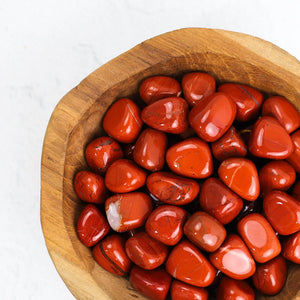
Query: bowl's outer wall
point(228, 56)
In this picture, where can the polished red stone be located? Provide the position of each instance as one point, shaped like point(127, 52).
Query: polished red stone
point(91, 226)
point(127, 211)
point(219, 201)
point(247, 99)
point(232, 289)
point(259, 236)
point(196, 86)
point(168, 115)
point(270, 277)
point(172, 189)
point(187, 263)
point(158, 87)
point(110, 255)
point(124, 176)
point(282, 110)
point(122, 121)
point(283, 212)
point(212, 116)
point(184, 291)
point(101, 153)
point(190, 158)
point(145, 251)
point(241, 176)
point(269, 139)
point(150, 149)
point(229, 145)
point(276, 175)
point(233, 258)
point(204, 231)
point(291, 248)
point(294, 158)
point(296, 190)
point(153, 284)
point(90, 187)
point(165, 224)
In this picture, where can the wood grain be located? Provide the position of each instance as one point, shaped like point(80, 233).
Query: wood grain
point(76, 120)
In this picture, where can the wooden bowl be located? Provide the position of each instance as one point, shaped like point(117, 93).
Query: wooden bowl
point(76, 120)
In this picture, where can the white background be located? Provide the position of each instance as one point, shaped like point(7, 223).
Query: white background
point(46, 48)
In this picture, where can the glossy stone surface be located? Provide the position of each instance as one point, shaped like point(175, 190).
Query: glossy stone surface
point(90, 187)
point(172, 189)
point(101, 153)
point(291, 248)
point(110, 255)
point(150, 149)
point(232, 289)
point(233, 258)
point(165, 224)
point(190, 158)
point(240, 175)
point(187, 263)
point(247, 99)
point(91, 226)
point(259, 236)
point(196, 86)
point(212, 116)
point(124, 176)
point(269, 139)
point(145, 251)
point(294, 158)
point(270, 277)
point(204, 231)
point(284, 111)
point(184, 291)
point(122, 121)
point(296, 190)
point(158, 87)
point(153, 284)
point(127, 211)
point(168, 115)
point(283, 212)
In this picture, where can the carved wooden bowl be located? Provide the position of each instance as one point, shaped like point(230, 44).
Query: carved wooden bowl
point(76, 120)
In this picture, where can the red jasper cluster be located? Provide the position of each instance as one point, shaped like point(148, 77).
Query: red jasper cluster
point(194, 196)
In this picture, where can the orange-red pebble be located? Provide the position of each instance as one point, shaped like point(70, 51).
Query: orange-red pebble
point(291, 247)
point(294, 158)
point(184, 291)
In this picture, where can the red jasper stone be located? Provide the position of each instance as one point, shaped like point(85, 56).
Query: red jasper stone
point(197, 86)
point(283, 212)
point(90, 187)
point(282, 110)
point(241, 176)
point(184, 291)
point(122, 121)
point(294, 158)
point(172, 189)
point(110, 255)
point(204, 231)
point(168, 115)
point(153, 284)
point(270, 277)
point(145, 251)
point(165, 224)
point(269, 139)
point(158, 87)
point(233, 258)
point(190, 158)
point(259, 237)
point(124, 176)
point(229, 145)
point(127, 211)
point(296, 190)
point(150, 149)
point(247, 99)
point(212, 116)
point(101, 153)
point(219, 201)
point(276, 175)
point(291, 248)
point(232, 289)
point(91, 226)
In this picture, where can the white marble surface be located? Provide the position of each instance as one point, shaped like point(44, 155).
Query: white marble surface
point(46, 48)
